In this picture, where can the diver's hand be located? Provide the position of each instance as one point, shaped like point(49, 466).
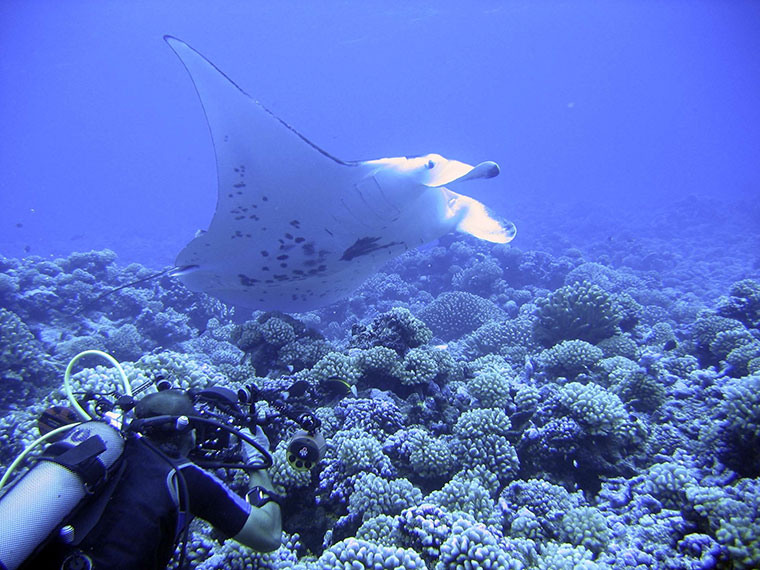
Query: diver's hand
point(261, 438)
point(250, 453)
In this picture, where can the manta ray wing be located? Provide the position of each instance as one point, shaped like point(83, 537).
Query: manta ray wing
point(296, 228)
point(269, 243)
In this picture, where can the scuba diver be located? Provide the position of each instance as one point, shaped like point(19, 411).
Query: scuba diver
point(121, 479)
point(156, 490)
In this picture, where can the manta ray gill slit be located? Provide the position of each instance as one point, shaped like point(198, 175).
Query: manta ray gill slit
point(365, 245)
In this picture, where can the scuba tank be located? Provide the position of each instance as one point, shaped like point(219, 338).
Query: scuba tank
point(37, 505)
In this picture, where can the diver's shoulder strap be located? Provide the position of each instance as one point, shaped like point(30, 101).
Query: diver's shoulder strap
point(86, 519)
point(177, 487)
point(82, 459)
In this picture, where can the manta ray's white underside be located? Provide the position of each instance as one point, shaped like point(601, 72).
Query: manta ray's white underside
point(296, 228)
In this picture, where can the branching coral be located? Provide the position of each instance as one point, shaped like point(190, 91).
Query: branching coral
point(380, 529)
point(426, 457)
point(738, 426)
point(335, 365)
point(457, 313)
point(425, 528)
point(479, 278)
point(278, 342)
point(579, 311)
point(23, 365)
point(733, 515)
point(742, 303)
point(468, 495)
point(547, 502)
point(373, 495)
point(570, 358)
point(490, 388)
point(363, 555)
point(377, 416)
point(397, 329)
point(475, 547)
point(585, 526)
point(512, 339)
point(482, 442)
point(598, 411)
point(705, 331)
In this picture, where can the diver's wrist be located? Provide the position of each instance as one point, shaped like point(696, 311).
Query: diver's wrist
point(259, 496)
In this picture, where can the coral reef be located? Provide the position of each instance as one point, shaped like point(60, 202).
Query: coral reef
point(482, 406)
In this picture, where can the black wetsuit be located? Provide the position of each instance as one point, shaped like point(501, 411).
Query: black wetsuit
point(139, 526)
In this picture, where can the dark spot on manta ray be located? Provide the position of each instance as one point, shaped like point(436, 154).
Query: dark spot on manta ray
point(289, 236)
point(239, 185)
point(328, 231)
point(264, 253)
point(265, 268)
point(281, 257)
point(296, 224)
point(365, 245)
point(264, 199)
point(240, 217)
point(247, 281)
point(253, 217)
point(300, 239)
point(308, 248)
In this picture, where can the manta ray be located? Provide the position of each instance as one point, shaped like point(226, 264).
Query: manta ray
point(296, 228)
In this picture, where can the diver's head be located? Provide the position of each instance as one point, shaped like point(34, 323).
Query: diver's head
point(167, 436)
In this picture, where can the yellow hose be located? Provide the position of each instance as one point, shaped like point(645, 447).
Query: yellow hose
point(67, 379)
point(79, 409)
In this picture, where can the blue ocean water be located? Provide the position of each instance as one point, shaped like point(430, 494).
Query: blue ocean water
point(588, 390)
